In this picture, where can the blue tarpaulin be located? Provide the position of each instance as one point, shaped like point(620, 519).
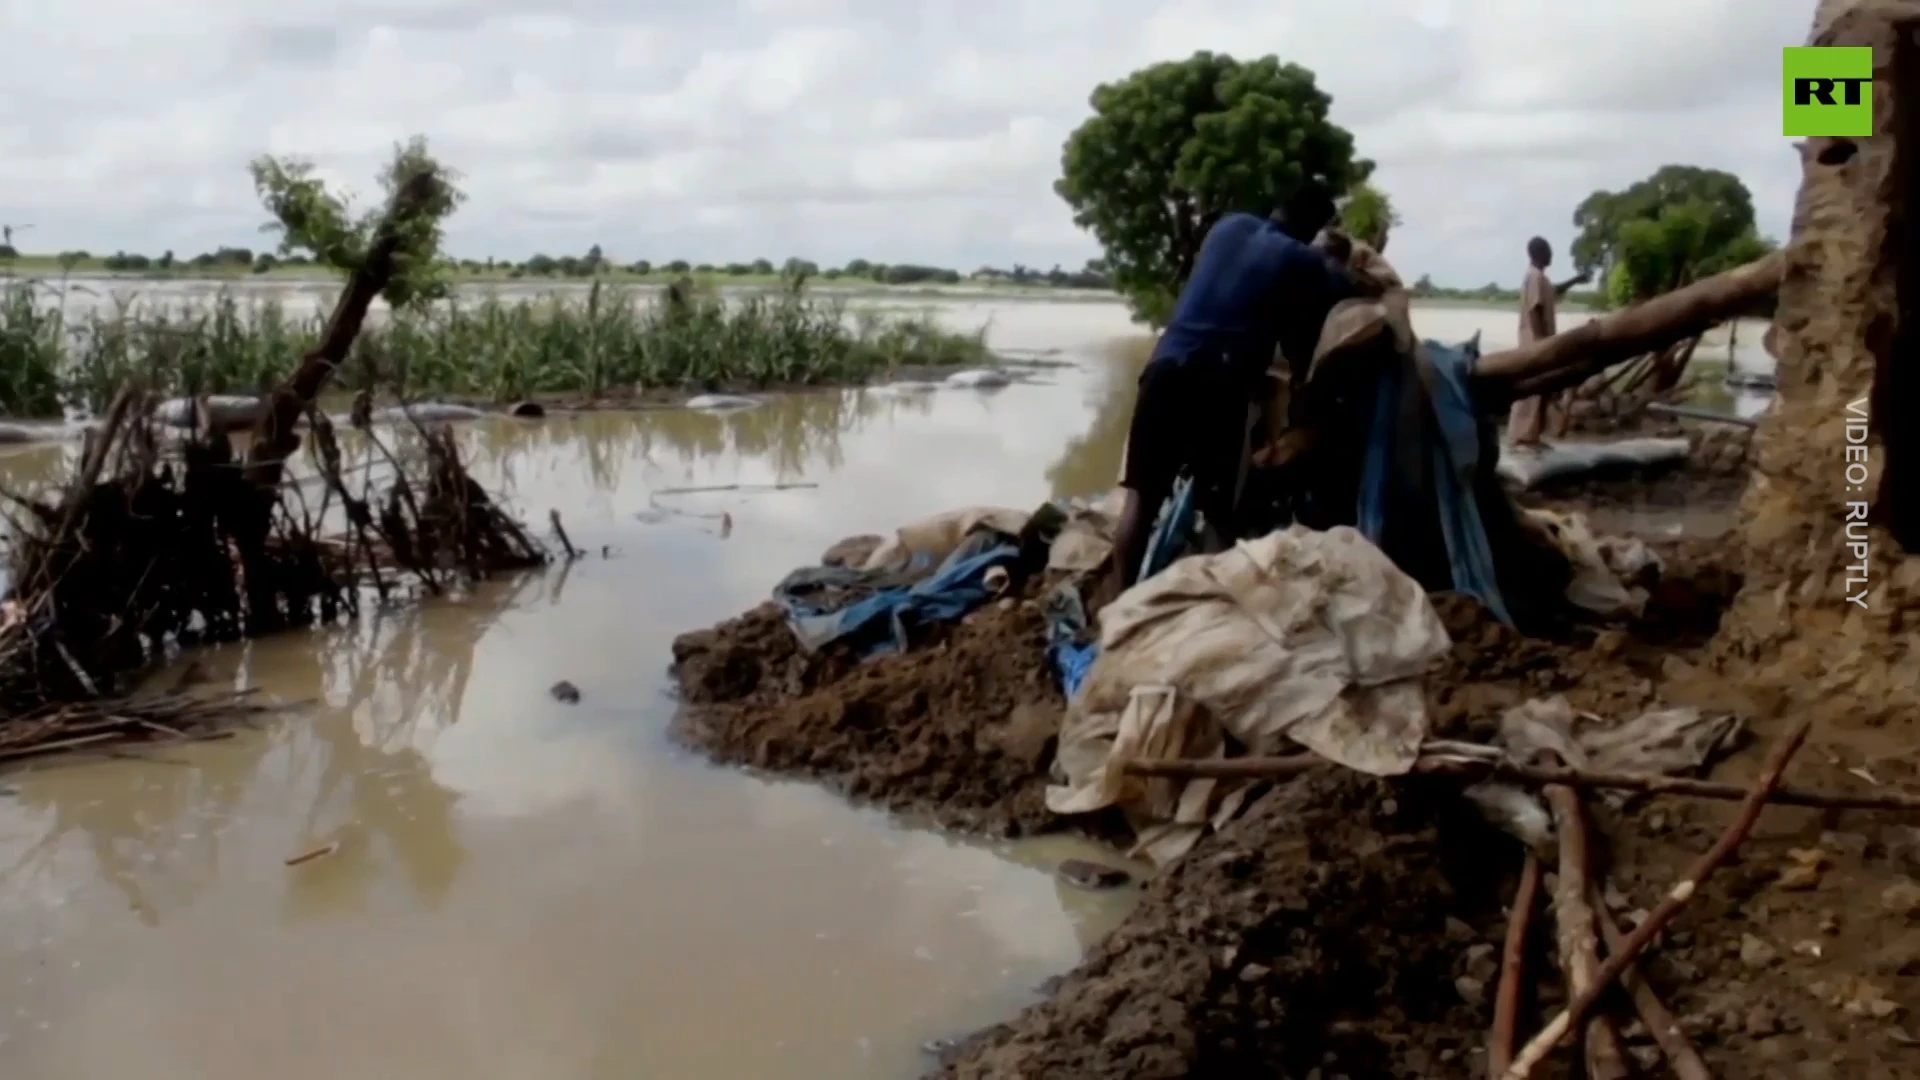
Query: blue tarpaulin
point(1067, 628)
point(1456, 459)
point(883, 619)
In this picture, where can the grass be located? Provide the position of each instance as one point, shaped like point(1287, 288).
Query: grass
point(615, 342)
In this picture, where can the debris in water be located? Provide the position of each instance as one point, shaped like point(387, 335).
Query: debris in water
point(317, 853)
point(1092, 875)
point(566, 692)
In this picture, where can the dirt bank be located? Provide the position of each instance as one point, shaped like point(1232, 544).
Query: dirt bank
point(1346, 924)
point(959, 731)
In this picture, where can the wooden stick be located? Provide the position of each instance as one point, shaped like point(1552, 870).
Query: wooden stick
point(1279, 768)
point(1576, 930)
point(1536, 1051)
point(1513, 963)
point(1567, 359)
point(560, 530)
point(1654, 1013)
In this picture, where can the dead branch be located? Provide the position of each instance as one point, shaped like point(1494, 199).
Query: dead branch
point(1660, 1021)
point(1536, 1051)
point(1278, 768)
point(1578, 938)
point(1513, 963)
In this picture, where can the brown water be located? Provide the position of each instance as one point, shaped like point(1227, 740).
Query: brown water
point(526, 888)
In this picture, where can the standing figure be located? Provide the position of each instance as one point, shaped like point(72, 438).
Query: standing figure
point(1531, 417)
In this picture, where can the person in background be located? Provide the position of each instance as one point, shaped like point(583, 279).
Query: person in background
point(1257, 283)
point(1532, 417)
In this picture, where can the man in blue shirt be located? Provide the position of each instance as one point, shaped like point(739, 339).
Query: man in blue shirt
point(1257, 283)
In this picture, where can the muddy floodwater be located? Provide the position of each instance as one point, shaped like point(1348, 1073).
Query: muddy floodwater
point(519, 886)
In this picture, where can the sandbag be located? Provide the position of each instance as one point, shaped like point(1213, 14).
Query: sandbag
point(1304, 637)
point(1531, 467)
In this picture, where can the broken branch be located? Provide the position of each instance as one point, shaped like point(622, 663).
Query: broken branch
point(1513, 962)
point(1660, 1021)
point(1575, 930)
point(1277, 768)
point(1536, 1051)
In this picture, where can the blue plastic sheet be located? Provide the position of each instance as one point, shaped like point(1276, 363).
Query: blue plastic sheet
point(1067, 625)
point(884, 619)
point(1456, 458)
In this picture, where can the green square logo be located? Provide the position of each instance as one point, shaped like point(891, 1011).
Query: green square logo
point(1827, 92)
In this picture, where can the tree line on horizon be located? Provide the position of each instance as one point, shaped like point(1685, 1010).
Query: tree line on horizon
point(233, 260)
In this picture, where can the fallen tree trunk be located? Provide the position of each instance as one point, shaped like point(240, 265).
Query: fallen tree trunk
point(1565, 360)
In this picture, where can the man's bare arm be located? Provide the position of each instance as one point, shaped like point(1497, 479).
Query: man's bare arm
point(1578, 279)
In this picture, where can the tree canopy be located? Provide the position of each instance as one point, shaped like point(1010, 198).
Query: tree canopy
point(323, 224)
point(1178, 142)
point(1368, 215)
point(1681, 224)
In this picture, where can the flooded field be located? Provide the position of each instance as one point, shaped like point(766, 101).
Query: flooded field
point(520, 886)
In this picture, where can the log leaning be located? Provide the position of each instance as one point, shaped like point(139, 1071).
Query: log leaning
point(1568, 359)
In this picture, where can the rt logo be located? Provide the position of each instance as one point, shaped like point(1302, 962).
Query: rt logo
point(1827, 92)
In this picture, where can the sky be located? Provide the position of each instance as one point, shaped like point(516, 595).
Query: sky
point(922, 131)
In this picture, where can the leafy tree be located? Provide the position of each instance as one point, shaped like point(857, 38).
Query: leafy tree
point(1679, 246)
point(264, 262)
point(761, 266)
point(1177, 142)
point(1676, 226)
point(1368, 215)
point(678, 266)
point(312, 219)
point(8, 253)
point(804, 268)
point(541, 266)
point(165, 261)
point(642, 268)
point(859, 268)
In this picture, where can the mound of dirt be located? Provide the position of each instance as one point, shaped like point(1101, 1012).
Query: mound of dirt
point(960, 730)
point(1325, 932)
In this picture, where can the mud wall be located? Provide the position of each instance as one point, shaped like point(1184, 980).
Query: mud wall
point(1826, 617)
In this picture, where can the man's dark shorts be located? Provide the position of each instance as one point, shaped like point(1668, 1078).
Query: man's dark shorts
point(1191, 414)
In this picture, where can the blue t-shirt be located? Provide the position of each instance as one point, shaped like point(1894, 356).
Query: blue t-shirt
point(1253, 287)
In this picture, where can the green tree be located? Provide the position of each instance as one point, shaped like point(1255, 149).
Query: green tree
point(1368, 215)
point(1681, 245)
point(311, 219)
point(1676, 226)
point(1177, 142)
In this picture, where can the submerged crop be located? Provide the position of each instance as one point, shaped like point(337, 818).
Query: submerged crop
point(613, 341)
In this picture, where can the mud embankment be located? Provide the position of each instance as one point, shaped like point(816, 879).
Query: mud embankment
point(1346, 924)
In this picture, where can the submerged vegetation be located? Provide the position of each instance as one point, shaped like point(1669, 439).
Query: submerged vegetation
point(616, 341)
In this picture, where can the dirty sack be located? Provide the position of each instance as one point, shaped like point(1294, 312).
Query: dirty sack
point(1667, 741)
point(1304, 637)
point(1609, 573)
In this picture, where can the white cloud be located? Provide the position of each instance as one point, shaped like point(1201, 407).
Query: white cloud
point(836, 129)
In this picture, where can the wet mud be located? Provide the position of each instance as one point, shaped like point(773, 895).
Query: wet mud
point(959, 731)
point(1348, 925)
